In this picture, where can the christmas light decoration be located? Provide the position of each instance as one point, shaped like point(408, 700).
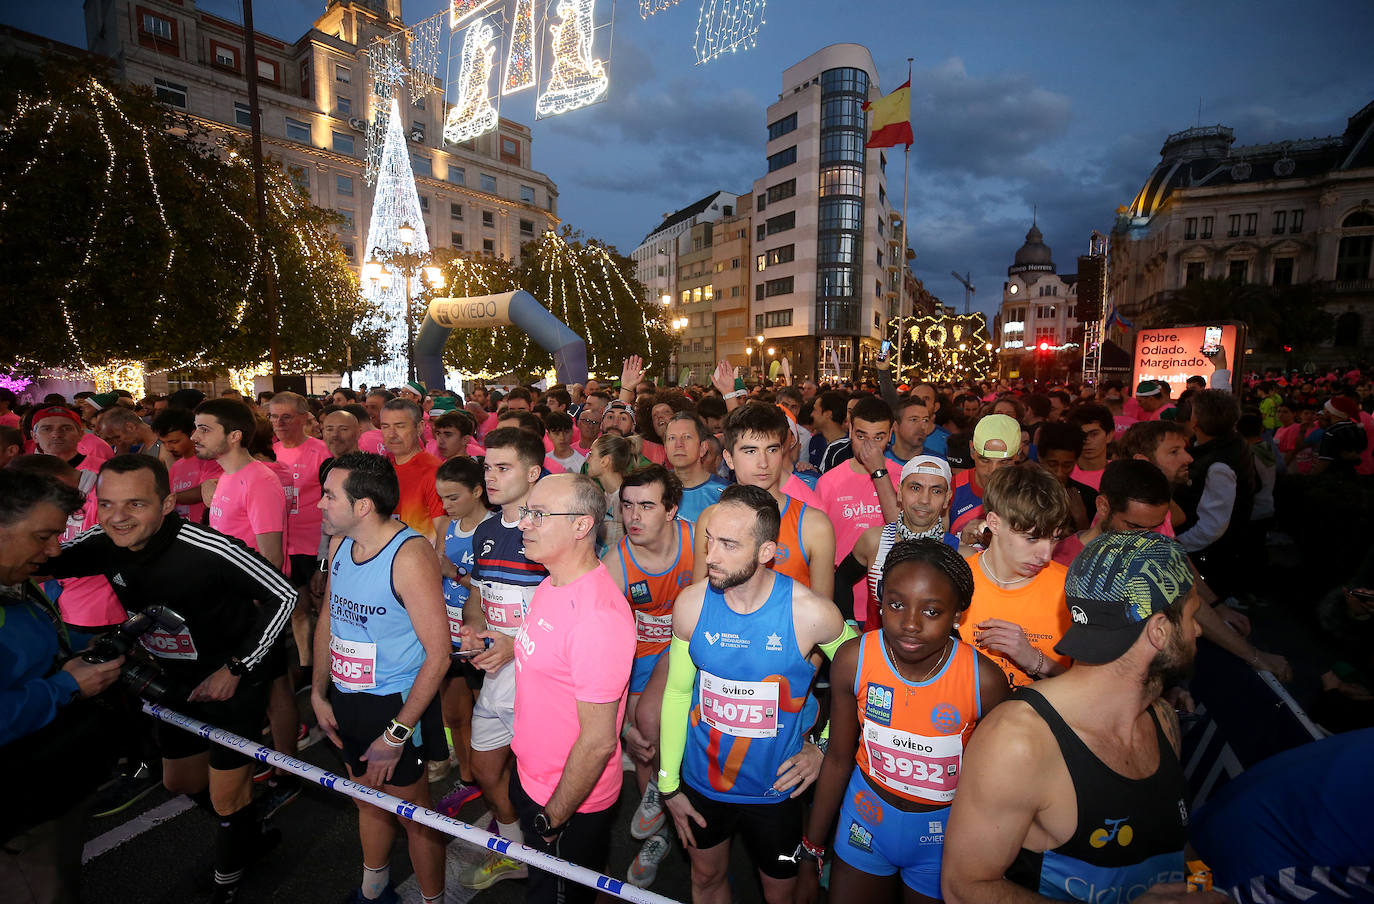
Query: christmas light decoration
point(404, 59)
point(648, 7)
point(459, 11)
point(576, 78)
point(521, 66)
point(725, 26)
point(472, 113)
point(395, 202)
point(15, 383)
point(125, 375)
point(241, 378)
point(948, 348)
point(422, 45)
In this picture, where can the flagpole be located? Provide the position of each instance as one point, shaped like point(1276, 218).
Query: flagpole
point(901, 251)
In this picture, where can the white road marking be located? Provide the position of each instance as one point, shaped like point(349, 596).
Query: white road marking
point(137, 826)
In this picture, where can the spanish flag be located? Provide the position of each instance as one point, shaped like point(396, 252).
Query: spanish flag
point(891, 119)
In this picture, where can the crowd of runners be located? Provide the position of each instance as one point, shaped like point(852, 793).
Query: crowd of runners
point(901, 642)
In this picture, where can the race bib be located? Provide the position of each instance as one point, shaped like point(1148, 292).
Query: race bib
point(169, 644)
point(914, 764)
point(504, 606)
point(653, 628)
point(353, 664)
point(744, 709)
point(455, 625)
point(293, 499)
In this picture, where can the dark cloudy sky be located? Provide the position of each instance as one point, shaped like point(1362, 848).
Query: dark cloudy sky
point(1060, 105)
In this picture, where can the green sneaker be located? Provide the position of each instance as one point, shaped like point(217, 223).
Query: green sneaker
point(491, 869)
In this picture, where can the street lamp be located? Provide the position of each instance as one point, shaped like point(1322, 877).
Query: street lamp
point(410, 263)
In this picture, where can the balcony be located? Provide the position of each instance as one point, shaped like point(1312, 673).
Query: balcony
point(1347, 286)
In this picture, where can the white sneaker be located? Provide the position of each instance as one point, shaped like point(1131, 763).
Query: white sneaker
point(649, 816)
point(644, 869)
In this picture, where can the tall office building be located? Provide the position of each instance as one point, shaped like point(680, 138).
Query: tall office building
point(823, 235)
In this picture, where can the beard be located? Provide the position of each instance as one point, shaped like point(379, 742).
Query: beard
point(733, 579)
point(1172, 664)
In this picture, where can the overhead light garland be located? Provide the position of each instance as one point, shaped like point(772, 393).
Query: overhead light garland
point(459, 11)
point(726, 26)
point(648, 7)
point(576, 77)
point(521, 66)
point(473, 113)
point(948, 348)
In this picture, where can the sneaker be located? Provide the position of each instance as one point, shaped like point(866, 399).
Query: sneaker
point(226, 894)
point(124, 791)
point(280, 791)
point(451, 803)
point(491, 869)
point(302, 732)
point(644, 869)
point(438, 770)
point(388, 896)
point(649, 816)
point(262, 773)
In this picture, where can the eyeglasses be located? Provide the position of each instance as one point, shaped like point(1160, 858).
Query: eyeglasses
point(589, 420)
point(537, 517)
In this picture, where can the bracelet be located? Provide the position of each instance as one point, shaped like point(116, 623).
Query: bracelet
point(814, 850)
point(1039, 670)
point(386, 737)
point(735, 394)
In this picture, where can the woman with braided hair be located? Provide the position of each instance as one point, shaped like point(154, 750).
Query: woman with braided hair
point(897, 740)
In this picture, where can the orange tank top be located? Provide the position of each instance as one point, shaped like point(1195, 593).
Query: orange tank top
point(1038, 606)
point(912, 736)
point(651, 595)
point(791, 558)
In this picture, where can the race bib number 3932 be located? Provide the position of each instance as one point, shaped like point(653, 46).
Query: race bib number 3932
point(926, 767)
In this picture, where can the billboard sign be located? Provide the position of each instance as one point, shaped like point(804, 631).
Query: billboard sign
point(1174, 354)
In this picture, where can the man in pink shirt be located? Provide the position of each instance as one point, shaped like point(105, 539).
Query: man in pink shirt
point(573, 656)
point(861, 492)
point(303, 455)
point(175, 427)
point(1099, 429)
point(7, 417)
point(371, 439)
point(248, 502)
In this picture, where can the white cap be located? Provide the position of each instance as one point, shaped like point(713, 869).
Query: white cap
point(928, 464)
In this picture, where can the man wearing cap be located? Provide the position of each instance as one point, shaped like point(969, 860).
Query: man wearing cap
point(924, 483)
point(1344, 440)
point(619, 419)
point(996, 441)
point(1151, 398)
point(68, 439)
point(1073, 789)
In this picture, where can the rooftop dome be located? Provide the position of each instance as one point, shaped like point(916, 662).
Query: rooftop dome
point(1034, 256)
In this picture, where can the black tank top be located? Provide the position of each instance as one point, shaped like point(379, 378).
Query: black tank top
point(1130, 833)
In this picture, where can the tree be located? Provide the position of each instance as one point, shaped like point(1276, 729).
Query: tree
point(125, 235)
point(1216, 300)
point(1303, 320)
point(584, 283)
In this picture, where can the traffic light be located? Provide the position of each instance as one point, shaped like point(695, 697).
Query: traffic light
point(1044, 347)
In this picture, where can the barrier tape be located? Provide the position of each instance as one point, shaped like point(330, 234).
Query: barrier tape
point(407, 810)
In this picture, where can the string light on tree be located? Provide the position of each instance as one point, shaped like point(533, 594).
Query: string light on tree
point(950, 348)
point(725, 26)
point(521, 66)
point(472, 113)
point(576, 77)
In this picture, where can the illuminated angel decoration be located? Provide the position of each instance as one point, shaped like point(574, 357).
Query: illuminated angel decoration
point(577, 78)
point(473, 113)
point(520, 60)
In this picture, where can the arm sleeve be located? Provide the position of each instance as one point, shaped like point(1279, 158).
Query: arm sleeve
point(829, 648)
point(1220, 379)
point(677, 703)
point(1213, 511)
point(265, 502)
point(847, 574)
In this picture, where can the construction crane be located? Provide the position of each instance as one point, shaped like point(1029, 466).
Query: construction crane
point(968, 289)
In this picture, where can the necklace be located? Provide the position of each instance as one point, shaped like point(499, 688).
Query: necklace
point(987, 569)
point(949, 648)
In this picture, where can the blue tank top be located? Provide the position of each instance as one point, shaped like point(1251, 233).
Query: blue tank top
point(373, 645)
point(751, 703)
point(458, 548)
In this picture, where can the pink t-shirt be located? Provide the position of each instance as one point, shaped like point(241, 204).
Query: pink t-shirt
point(89, 601)
point(552, 466)
point(795, 487)
point(371, 441)
point(9, 419)
point(303, 515)
point(96, 450)
point(1067, 550)
point(850, 501)
point(1088, 478)
point(577, 643)
point(249, 502)
point(1121, 423)
point(186, 473)
point(475, 448)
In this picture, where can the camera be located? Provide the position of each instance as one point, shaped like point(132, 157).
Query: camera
point(140, 673)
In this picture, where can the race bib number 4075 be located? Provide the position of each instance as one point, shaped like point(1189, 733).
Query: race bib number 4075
point(744, 709)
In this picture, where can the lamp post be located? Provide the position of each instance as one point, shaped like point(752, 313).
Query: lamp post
point(409, 262)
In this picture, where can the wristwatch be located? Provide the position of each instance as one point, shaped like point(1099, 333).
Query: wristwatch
point(398, 731)
point(542, 826)
point(236, 667)
point(881, 472)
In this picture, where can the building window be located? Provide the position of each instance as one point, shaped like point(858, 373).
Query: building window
point(774, 287)
point(227, 57)
point(527, 195)
point(1251, 223)
point(488, 246)
point(777, 318)
point(297, 130)
point(761, 263)
point(1283, 271)
point(267, 71)
point(488, 219)
point(455, 211)
point(488, 183)
point(347, 224)
point(1296, 223)
point(842, 180)
point(1195, 270)
point(300, 176)
point(1280, 221)
point(341, 142)
point(782, 158)
point(456, 239)
point(343, 185)
point(835, 282)
point(348, 250)
point(422, 165)
point(343, 74)
point(170, 93)
point(243, 116)
point(417, 131)
point(1238, 271)
point(782, 255)
point(758, 318)
point(1190, 228)
point(157, 26)
point(457, 175)
point(758, 295)
point(782, 191)
point(305, 77)
point(527, 227)
point(1045, 334)
point(1233, 229)
point(510, 151)
point(1206, 228)
point(734, 291)
point(343, 104)
point(780, 128)
point(1354, 252)
point(781, 223)
point(762, 232)
point(761, 202)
